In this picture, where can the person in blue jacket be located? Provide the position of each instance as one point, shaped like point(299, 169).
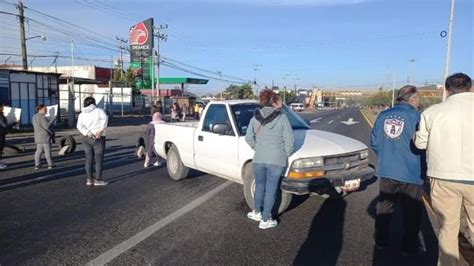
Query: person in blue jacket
point(400, 171)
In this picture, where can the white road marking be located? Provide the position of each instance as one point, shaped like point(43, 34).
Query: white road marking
point(330, 122)
point(116, 251)
point(317, 120)
point(350, 121)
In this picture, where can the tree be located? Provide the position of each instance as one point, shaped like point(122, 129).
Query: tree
point(234, 92)
point(381, 98)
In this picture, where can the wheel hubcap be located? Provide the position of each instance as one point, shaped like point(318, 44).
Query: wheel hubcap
point(173, 163)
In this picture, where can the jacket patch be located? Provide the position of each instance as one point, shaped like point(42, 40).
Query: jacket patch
point(393, 127)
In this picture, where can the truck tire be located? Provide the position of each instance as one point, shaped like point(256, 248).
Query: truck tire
point(176, 169)
point(68, 141)
point(283, 199)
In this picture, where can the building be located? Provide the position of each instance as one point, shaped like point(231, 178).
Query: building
point(26, 89)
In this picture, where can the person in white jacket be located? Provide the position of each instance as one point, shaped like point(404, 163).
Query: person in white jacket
point(446, 131)
point(92, 124)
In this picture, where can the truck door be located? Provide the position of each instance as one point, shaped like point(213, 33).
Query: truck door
point(217, 153)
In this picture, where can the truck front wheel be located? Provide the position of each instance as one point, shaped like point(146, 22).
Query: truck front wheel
point(283, 198)
point(176, 169)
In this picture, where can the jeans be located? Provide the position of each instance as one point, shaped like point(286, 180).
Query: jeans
point(410, 197)
point(94, 150)
point(267, 181)
point(47, 153)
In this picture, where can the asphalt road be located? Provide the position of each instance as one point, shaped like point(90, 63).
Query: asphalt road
point(143, 217)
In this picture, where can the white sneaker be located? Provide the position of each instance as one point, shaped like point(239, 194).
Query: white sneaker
point(100, 183)
point(256, 216)
point(3, 166)
point(270, 223)
point(157, 164)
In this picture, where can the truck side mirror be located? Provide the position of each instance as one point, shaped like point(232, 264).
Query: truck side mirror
point(220, 128)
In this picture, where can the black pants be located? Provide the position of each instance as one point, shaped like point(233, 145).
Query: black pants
point(2, 144)
point(410, 199)
point(94, 150)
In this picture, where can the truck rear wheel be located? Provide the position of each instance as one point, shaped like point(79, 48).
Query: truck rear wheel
point(176, 169)
point(283, 198)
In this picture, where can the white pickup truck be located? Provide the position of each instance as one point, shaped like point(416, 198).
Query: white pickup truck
point(322, 162)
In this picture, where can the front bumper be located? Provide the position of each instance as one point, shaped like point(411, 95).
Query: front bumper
point(322, 184)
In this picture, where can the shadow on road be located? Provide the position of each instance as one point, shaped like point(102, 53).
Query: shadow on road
point(324, 242)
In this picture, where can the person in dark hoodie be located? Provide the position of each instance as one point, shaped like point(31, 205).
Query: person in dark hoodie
point(5, 127)
point(92, 124)
point(43, 136)
point(271, 136)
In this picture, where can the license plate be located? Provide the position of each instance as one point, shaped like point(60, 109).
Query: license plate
point(351, 185)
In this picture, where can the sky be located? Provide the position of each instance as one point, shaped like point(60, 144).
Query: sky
point(308, 43)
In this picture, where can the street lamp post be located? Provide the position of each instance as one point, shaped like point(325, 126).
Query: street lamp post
point(448, 47)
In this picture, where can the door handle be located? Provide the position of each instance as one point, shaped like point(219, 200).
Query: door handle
point(200, 138)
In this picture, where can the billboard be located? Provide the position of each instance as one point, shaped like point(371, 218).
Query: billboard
point(141, 51)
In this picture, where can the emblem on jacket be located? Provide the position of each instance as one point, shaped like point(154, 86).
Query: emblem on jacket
point(393, 127)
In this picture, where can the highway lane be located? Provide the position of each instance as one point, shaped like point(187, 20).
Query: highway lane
point(62, 221)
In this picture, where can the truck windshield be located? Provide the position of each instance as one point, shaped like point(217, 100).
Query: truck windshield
point(244, 112)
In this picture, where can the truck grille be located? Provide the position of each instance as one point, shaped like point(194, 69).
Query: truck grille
point(342, 160)
point(340, 165)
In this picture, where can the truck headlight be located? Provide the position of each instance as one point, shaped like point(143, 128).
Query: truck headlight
point(301, 164)
point(364, 154)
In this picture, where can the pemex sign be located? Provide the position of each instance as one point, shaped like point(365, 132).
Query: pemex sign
point(141, 51)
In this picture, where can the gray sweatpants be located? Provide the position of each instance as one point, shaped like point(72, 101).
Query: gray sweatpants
point(47, 152)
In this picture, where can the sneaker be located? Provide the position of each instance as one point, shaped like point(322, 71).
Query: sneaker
point(256, 216)
point(3, 166)
point(158, 164)
point(90, 182)
point(270, 223)
point(37, 167)
point(51, 166)
point(145, 166)
point(100, 183)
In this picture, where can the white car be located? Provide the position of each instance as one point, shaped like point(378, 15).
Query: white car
point(297, 107)
point(322, 163)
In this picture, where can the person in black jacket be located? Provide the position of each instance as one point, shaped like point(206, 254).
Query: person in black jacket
point(5, 127)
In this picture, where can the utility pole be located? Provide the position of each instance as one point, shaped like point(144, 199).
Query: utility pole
point(71, 95)
point(163, 37)
point(255, 69)
point(21, 18)
point(220, 82)
point(448, 48)
point(122, 47)
point(393, 89)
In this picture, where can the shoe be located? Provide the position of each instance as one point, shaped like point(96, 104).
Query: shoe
point(145, 166)
point(37, 167)
point(256, 216)
point(157, 164)
point(90, 182)
point(100, 183)
point(51, 166)
point(270, 223)
point(3, 166)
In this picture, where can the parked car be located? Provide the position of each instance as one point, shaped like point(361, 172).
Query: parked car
point(297, 107)
point(322, 163)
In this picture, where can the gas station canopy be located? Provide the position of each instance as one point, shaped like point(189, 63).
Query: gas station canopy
point(182, 80)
